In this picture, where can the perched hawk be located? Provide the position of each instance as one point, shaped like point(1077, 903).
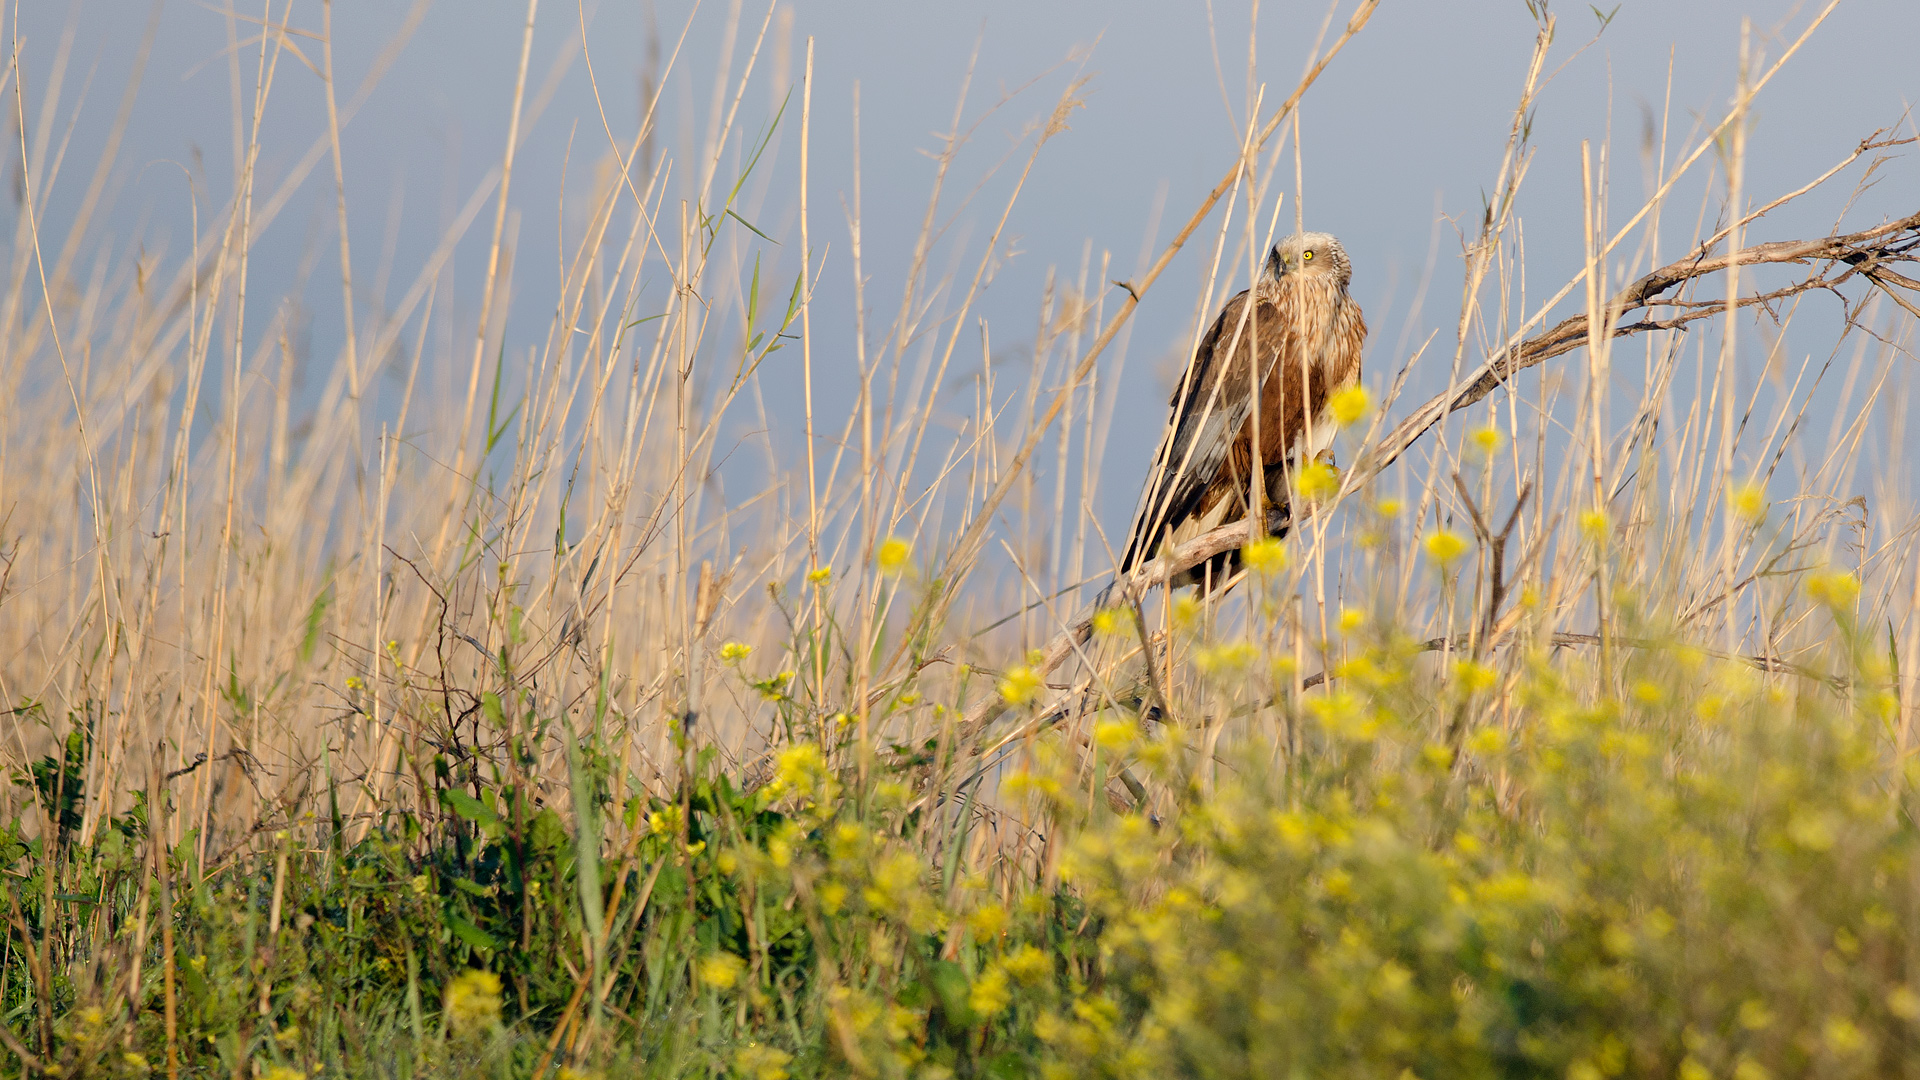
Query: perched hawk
point(1302, 331)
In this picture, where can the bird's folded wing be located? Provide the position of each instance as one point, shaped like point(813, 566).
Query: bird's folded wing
point(1209, 409)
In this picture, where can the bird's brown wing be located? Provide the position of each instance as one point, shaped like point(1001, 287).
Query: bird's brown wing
point(1209, 409)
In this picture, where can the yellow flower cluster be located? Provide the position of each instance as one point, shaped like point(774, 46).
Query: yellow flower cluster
point(894, 557)
point(1834, 588)
point(1444, 547)
point(1020, 686)
point(473, 1002)
point(1317, 481)
point(1748, 501)
point(1265, 556)
point(721, 970)
point(1350, 406)
point(801, 771)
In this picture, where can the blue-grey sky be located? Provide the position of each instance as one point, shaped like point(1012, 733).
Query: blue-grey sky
point(1401, 138)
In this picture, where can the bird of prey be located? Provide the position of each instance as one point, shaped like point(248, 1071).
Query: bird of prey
point(1298, 333)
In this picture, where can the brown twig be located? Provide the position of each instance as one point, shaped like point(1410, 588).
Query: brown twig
point(1497, 547)
point(1861, 252)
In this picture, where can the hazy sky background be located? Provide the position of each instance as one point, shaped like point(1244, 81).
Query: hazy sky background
point(1401, 137)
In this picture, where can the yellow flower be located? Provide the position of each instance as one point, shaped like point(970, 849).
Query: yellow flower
point(1594, 523)
point(1342, 715)
point(1339, 884)
point(802, 770)
point(1115, 734)
point(774, 687)
point(1107, 622)
point(1185, 610)
point(1754, 1015)
point(987, 921)
point(1264, 556)
point(820, 575)
point(757, 1062)
point(893, 555)
point(1842, 1036)
point(1295, 830)
point(1813, 830)
point(1021, 685)
point(1228, 658)
point(1351, 619)
point(1444, 547)
point(990, 994)
point(473, 1001)
point(278, 1072)
point(1388, 507)
point(1903, 1003)
point(721, 970)
point(1474, 677)
point(1748, 501)
point(1834, 588)
point(1487, 741)
point(1485, 441)
point(1028, 965)
point(1351, 405)
point(735, 651)
point(1318, 480)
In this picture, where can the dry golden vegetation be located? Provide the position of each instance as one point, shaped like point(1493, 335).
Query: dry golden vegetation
point(1570, 733)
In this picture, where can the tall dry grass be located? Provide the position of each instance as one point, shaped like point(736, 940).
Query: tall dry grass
point(273, 614)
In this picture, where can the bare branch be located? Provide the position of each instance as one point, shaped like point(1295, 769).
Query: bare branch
point(1863, 252)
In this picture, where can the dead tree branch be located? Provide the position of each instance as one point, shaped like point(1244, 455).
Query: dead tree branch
point(1868, 253)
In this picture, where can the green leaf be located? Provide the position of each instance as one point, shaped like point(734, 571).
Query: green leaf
point(316, 613)
point(547, 833)
point(586, 843)
point(751, 228)
point(468, 932)
point(1008, 1066)
point(196, 983)
point(474, 888)
point(472, 809)
point(949, 983)
point(753, 294)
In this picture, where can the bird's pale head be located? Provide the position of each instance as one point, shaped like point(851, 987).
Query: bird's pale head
point(1310, 255)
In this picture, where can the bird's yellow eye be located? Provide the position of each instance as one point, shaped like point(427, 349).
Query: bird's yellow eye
point(1306, 256)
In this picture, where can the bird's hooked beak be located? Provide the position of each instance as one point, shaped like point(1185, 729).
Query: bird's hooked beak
point(1276, 265)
